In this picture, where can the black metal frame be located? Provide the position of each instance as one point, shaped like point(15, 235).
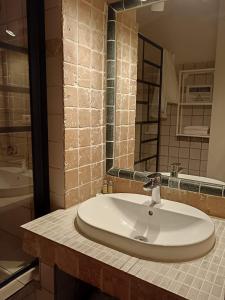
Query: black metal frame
point(38, 106)
point(38, 102)
point(148, 83)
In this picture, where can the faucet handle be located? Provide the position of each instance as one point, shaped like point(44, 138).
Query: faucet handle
point(153, 180)
point(175, 169)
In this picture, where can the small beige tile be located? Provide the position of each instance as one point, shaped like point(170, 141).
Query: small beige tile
point(84, 137)
point(71, 179)
point(84, 97)
point(84, 175)
point(84, 77)
point(70, 29)
point(84, 118)
point(84, 56)
point(84, 10)
point(70, 74)
point(70, 96)
point(71, 138)
point(85, 156)
point(71, 159)
point(84, 35)
point(71, 117)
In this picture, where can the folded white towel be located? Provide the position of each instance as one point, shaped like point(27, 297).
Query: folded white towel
point(196, 132)
point(198, 128)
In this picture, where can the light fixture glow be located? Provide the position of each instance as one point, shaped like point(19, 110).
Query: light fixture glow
point(10, 32)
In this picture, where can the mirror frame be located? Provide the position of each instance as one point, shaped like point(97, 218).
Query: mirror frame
point(178, 183)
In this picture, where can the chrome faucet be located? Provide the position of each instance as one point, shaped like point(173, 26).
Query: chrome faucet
point(153, 184)
point(175, 169)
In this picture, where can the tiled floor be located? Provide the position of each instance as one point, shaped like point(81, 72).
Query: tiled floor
point(12, 257)
point(203, 278)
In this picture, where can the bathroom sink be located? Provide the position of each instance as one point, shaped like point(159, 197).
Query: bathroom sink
point(169, 231)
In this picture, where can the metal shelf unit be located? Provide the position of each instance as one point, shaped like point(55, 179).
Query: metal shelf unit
point(200, 82)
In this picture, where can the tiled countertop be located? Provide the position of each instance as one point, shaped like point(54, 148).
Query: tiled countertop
point(203, 278)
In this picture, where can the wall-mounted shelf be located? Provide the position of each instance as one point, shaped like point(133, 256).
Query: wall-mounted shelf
point(195, 92)
point(192, 135)
point(196, 104)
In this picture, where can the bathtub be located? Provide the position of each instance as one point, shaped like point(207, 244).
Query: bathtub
point(196, 178)
point(14, 182)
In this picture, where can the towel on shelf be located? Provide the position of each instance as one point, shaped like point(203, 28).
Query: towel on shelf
point(196, 130)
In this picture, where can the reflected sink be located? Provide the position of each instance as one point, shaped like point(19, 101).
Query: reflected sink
point(169, 231)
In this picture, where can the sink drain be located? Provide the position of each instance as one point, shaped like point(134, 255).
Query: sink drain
point(141, 238)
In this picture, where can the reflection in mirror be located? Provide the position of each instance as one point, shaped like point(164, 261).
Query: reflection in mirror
point(180, 95)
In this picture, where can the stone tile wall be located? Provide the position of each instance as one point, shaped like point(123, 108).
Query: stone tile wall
point(126, 64)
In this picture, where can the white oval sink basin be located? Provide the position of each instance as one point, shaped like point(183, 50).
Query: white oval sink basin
point(169, 231)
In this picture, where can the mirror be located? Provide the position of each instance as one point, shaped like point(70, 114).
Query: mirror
point(175, 91)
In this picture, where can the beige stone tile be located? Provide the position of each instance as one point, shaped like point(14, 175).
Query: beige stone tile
point(84, 56)
point(71, 138)
point(70, 8)
point(96, 171)
point(96, 154)
point(96, 136)
point(130, 161)
point(84, 137)
point(70, 96)
point(85, 192)
point(84, 118)
point(71, 197)
point(97, 60)
point(99, 4)
point(97, 20)
point(70, 29)
point(71, 117)
point(84, 12)
point(84, 77)
point(70, 74)
point(123, 162)
point(96, 186)
point(70, 52)
point(97, 41)
point(97, 99)
point(71, 159)
point(84, 156)
point(84, 35)
point(84, 175)
point(123, 148)
point(71, 179)
point(124, 115)
point(96, 80)
point(96, 117)
point(84, 97)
